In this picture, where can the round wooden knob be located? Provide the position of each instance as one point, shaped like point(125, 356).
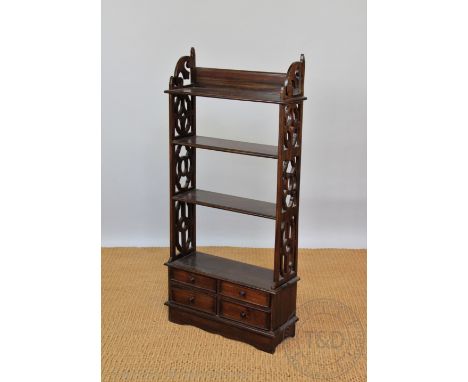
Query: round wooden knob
point(191, 299)
point(192, 279)
point(243, 314)
point(242, 293)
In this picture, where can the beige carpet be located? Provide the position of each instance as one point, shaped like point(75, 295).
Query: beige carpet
point(139, 344)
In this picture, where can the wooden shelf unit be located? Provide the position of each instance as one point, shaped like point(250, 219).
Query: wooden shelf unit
point(237, 300)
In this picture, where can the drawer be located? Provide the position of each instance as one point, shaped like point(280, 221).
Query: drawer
point(241, 313)
point(245, 294)
point(194, 279)
point(194, 299)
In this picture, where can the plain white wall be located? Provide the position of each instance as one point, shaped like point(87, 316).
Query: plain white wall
point(141, 43)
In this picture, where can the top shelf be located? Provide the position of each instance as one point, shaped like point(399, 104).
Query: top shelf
point(265, 96)
point(242, 85)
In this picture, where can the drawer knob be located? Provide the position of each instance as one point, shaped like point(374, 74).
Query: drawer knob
point(191, 299)
point(192, 279)
point(242, 293)
point(243, 314)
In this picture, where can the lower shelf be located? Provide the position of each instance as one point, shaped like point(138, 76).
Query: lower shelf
point(222, 268)
point(262, 340)
point(228, 202)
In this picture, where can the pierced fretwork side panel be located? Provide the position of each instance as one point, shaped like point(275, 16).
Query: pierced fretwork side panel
point(184, 228)
point(182, 214)
point(184, 177)
point(182, 119)
point(183, 110)
point(287, 202)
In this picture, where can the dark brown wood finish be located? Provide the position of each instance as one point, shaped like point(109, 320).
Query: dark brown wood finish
point(243, 85)
point(239, 79)
point(283, 304)
point(194, 279)
point(221, 268)
point(235, 147)
point(262, 340)
point(244, 294)
point(228, 202)
point(288, 176)
point(245, 314)
point(182, 161)
point(237, 300)
point(195, 299)
point(234, 94)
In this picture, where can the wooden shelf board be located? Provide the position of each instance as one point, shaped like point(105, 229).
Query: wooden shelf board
point(266, 96)
point(237, 147)
point(228, 202)
point(225, 269)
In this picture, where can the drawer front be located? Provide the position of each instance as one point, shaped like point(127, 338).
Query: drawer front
point(194, 279)
point(245, 294)
point(244, 314)
point(193, 299)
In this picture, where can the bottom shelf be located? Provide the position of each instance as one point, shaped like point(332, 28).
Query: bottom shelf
point(226, 269)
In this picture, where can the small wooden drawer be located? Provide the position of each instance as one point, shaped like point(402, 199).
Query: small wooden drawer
point(241, 313)
point(197, 300)
point(194, 279)
point(245, 294)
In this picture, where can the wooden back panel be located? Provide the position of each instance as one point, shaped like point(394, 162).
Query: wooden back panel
point(241, 79)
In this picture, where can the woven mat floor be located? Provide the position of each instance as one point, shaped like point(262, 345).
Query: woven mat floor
point(139, 343)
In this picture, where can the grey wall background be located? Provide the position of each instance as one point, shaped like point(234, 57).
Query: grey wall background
point(141, 42)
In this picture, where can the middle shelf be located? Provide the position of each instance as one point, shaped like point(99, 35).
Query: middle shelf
point(228, 202)
point(226, 145)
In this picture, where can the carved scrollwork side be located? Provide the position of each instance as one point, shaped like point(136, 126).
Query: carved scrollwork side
point(182, 123)
point(183, 176)
point(184, 168)
point(289, 202)
point(183, 70)
point(291, 124)
point(288, 191)
point(294, 83)
point(289, 182)
point(183, 110)
point(183, 228)
point(288, 230)
point(182, 214)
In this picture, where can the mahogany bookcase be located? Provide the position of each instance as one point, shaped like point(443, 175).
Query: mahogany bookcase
point(237, 300)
